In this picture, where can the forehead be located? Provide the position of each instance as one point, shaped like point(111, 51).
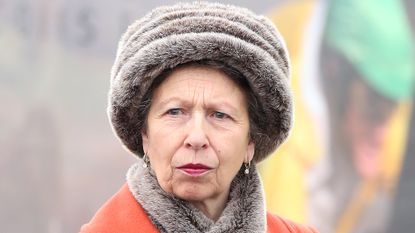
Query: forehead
point(197, 81)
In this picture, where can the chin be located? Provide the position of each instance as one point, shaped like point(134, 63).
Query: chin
point(193, 192)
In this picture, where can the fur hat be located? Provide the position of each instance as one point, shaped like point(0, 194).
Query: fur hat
point(172, 35)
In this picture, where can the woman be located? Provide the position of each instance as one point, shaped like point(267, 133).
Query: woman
point(200, 92)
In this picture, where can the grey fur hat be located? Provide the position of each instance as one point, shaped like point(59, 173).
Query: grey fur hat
point(172, 35)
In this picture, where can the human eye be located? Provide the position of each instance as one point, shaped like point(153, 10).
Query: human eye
point(220, 115)
point(174, 111)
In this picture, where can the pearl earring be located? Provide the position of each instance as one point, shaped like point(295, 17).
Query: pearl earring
point(146, 161)
point(247, 165)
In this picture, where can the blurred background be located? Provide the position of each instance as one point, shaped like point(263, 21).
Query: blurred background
point(348, 165)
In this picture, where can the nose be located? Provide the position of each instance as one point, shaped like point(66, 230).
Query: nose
point(196, 137)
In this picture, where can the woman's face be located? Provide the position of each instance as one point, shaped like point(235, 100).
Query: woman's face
point(197, 133)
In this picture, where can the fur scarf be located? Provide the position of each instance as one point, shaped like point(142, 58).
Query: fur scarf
point(244, 211)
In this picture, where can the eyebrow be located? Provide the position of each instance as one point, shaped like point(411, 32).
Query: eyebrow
point(212, 104)
point(232, 109)
point(174, 99)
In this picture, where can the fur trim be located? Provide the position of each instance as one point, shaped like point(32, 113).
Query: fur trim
point(170, 36)
point(244, 211)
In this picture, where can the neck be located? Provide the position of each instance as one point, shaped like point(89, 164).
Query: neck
point(212, 207)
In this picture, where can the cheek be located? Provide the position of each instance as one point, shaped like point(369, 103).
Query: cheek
point(161, 151)
point(163, 142)
point(231, 156)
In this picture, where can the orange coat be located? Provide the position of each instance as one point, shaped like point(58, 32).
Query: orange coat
point(123, 214)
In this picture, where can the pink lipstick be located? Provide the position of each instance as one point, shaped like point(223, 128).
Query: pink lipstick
point(194, 169)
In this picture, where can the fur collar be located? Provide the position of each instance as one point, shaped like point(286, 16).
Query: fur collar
point(244, 211)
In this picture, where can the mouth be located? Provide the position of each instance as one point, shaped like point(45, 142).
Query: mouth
point(194, 169)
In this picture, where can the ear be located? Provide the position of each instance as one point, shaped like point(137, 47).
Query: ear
point(250, 151)
point(145, 140)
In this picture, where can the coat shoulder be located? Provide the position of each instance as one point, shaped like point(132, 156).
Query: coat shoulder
point(121, 213)
point(278, 224)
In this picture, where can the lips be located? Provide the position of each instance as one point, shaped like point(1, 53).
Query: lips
point(194, 169)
